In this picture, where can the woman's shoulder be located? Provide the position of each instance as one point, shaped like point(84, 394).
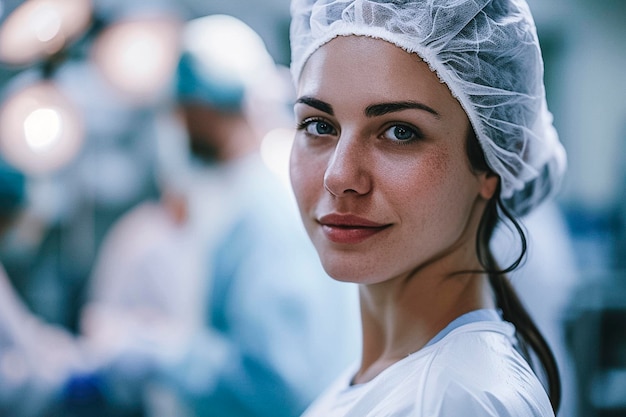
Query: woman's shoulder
point(476, 370)
point(487, 346)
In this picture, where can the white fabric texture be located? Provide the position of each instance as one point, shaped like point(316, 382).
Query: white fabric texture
point(486, 51)
point(473, 371)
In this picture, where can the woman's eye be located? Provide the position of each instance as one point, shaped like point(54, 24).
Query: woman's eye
point(318, 128)
point(402, 133)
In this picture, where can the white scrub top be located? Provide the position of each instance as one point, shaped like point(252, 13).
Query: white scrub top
point(473, 370)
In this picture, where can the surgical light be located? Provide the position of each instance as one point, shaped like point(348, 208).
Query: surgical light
point(38, 29)
point(40, 131)
point(138, 56)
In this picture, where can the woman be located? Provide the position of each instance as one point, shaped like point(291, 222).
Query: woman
point(422, 124)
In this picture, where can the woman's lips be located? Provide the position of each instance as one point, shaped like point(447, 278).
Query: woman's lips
point(349, 229)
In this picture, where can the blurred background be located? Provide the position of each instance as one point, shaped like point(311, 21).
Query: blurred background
point(84, 86)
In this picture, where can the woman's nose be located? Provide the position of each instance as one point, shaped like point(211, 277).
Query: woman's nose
point(347, 172)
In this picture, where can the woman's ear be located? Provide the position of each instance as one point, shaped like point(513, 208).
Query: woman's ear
point(488, 184)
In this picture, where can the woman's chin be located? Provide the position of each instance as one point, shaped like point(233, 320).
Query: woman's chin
point(341, 273)
point(350, 274)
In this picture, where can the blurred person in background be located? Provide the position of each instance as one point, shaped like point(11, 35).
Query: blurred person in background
point(12, 194)
point(37, 359)
point(212, 301)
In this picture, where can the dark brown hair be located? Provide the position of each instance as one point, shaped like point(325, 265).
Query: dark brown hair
point(507, 299)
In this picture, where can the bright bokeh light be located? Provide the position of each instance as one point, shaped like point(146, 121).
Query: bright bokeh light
point(45, 22)
point(39, 28)
point(138, 56)
point(40, 131)
point(275, 150)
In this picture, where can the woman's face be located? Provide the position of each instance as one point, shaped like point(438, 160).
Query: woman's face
point(379, 165)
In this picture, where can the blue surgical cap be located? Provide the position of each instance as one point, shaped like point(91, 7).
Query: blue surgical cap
point(221, 59)
point(199, 83)
point(12, 188)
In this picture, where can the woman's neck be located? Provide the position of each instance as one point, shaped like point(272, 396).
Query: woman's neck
point(401, 316)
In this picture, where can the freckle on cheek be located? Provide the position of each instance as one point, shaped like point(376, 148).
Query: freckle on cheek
point(436, 167)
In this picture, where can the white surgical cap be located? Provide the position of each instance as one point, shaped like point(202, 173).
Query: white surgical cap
point(487, 53)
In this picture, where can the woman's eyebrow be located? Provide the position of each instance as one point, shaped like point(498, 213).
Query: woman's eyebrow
point(318, 104)
point(380, 109)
